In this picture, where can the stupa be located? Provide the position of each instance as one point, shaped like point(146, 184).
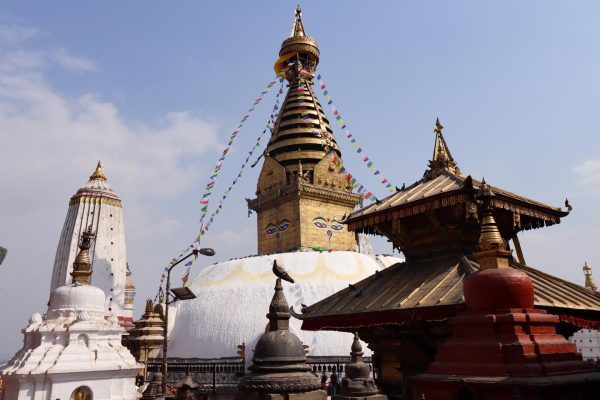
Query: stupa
point(300, 203)
point(279, 369)
point(98, 206)
point(74, 351)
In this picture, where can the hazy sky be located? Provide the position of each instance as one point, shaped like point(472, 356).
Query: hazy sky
point(154, 89)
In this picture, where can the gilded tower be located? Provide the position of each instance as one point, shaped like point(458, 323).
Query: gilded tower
point(301, 198)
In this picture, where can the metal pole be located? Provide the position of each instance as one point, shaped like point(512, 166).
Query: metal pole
point(165, 329)
point(214, 376)
point(166, 321)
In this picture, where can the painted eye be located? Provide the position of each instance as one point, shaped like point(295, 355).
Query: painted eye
point(320, 224)
point(271, 229)
point(284, 225)
point(337, 227)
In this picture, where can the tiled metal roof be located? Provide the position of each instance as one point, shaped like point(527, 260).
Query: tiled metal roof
point(436, 282)
point(428, 188)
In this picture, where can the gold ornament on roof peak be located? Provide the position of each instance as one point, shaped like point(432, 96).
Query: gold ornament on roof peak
point(98, 173)
point(589, 280)
point(298, 28)
point(438, 127)
point(442, 160)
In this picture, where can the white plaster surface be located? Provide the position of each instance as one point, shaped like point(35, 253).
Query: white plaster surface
point(108, 254)
point(234, 296)
point(588, 343)
point(75, 344)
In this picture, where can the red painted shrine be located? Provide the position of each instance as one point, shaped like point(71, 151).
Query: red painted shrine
point(462, 318)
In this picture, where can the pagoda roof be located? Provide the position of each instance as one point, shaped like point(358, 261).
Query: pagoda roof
point(439, 187)
point(432, 289)
point(416, 198)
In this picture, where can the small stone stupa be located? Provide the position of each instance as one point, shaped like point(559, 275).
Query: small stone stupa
point(358, 383)
point(279, 369)
point(145, 341)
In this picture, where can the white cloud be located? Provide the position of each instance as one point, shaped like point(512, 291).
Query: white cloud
point(61, 57)
point(13, 33)
point(589, 175)
point(49, 144)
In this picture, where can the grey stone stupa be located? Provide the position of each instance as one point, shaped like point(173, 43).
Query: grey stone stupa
point(279, 369)
point(358, 383)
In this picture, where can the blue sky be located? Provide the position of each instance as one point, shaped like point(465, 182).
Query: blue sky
point(154, 89)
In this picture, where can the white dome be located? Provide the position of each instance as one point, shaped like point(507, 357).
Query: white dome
point(76, 297)
point(233, 299)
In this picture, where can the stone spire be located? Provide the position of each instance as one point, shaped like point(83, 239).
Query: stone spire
point(442, 160)
point(493, 251)
point(358, 383)
point(589, 280)
point(279, 368)
point(82, 266)
point(299, 174)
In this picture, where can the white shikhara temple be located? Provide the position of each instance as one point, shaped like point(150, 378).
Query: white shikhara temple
point(74, 352)
point(98, 206)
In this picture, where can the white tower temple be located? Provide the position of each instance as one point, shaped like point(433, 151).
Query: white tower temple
point(98, 206)
point(74, 351)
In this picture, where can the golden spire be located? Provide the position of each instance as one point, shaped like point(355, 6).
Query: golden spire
point(490, 237)
point(98, 173)
point(442, 158)
point(298, 28)
point(82, 265)
point(298, 50)
point(493, 251)
point(589, 280)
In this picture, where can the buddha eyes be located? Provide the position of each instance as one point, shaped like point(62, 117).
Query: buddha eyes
point(284, 225)
point(271, 229)
point(323, 224)
point(320, 223)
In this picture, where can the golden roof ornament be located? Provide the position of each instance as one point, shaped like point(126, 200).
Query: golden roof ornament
point(298, 28)
point(98, 173)
point(442, 160)
point(492, 252)
point(82, 270)
point(589, 280)
point(300, 50)
point(490, 235)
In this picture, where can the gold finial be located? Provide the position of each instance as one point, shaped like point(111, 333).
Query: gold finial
point(298, 28)
point(438, 127)
point(442, 160)
point(149, 307)
point(98, 173)
point(82, 265)
point(492, 252)
point(589, 280)
point(490, 238)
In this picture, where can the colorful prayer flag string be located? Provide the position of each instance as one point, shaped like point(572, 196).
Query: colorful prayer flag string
point(336, 161)
point(357, 147)
point(205, 199)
